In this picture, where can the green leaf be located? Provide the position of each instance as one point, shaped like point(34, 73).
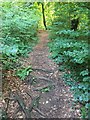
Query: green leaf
point(22, 73)
point(84, 72)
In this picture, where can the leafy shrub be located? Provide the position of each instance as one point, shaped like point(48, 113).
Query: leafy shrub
point(70, 51)
point(73, 56)
point(19, 32)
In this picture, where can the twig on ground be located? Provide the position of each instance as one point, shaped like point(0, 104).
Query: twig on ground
point(40, 112)
point(29, 94)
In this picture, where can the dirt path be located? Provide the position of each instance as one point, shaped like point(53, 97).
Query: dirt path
point(55, 97)
point(57, 103)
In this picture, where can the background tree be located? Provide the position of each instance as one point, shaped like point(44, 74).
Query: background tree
point(43, 12)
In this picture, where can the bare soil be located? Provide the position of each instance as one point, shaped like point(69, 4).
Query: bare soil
point(55, 98)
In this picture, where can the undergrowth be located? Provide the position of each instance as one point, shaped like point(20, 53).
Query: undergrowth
point(72, 57)
point(69, 50)
point(19, 33)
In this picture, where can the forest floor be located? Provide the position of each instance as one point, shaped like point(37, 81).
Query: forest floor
point(43, 93)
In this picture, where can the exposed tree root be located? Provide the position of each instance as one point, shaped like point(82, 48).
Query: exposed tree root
point(44, 70)
point(44, 86)
point(22, 104)
point(44, 78)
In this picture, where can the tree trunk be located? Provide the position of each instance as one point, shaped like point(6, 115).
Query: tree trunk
point(44, 21)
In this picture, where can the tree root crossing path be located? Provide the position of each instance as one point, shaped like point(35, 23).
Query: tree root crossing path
point(43, 93)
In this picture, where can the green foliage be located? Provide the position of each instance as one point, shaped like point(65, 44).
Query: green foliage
point(70, 51)
point(47, 89)
point(19, 31)
point(22, 73)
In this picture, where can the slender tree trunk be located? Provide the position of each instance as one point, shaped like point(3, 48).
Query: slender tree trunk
point(44, 20)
